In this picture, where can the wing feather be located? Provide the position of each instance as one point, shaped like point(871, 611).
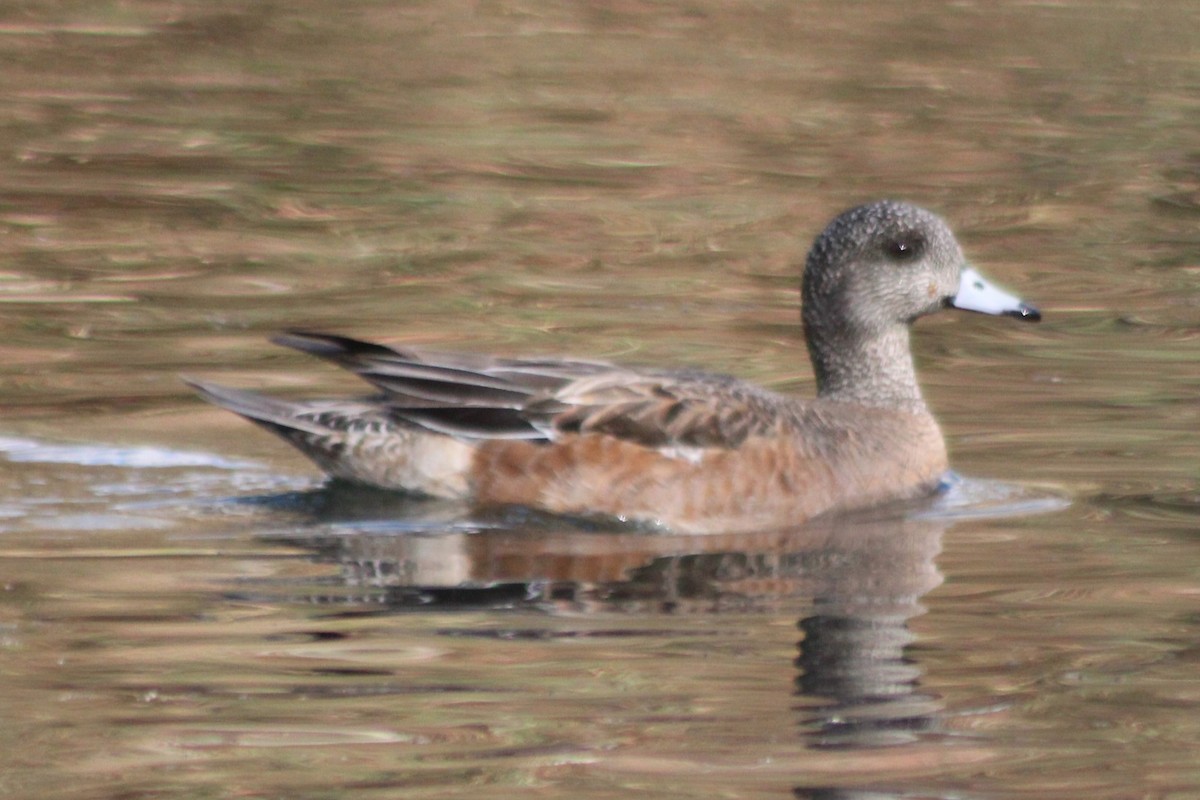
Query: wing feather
point(476, 397)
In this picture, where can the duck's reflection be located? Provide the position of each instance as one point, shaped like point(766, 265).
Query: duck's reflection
point(854, 583)
point(854, 668)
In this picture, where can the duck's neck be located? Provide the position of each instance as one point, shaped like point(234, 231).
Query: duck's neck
point(875, 370)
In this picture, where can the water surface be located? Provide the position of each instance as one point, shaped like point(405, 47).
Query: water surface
point(188, 611)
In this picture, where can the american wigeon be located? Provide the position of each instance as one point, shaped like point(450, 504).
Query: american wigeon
point(688, 450)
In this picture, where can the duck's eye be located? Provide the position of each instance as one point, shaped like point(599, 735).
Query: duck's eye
point(904, 248)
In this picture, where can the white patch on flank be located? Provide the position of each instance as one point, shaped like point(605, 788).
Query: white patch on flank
point(692, 455)
point(438, 465)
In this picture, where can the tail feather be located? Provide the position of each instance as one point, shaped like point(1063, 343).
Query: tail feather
point(266, 411)
point(362, 441)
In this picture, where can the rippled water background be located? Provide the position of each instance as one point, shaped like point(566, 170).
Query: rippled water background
point(185, 611)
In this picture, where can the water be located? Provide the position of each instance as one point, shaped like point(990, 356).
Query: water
point(186, 611)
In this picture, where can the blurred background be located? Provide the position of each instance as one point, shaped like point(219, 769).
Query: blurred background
point(187, 611)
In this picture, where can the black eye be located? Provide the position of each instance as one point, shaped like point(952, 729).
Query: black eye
point(904, 248)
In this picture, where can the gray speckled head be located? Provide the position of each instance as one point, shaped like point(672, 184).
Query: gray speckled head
point(880, 264)
point(872, 272)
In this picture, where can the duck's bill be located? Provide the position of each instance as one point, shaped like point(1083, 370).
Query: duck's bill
point(976, 294)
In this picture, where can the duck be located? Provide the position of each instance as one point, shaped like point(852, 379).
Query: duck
point(678, 449)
